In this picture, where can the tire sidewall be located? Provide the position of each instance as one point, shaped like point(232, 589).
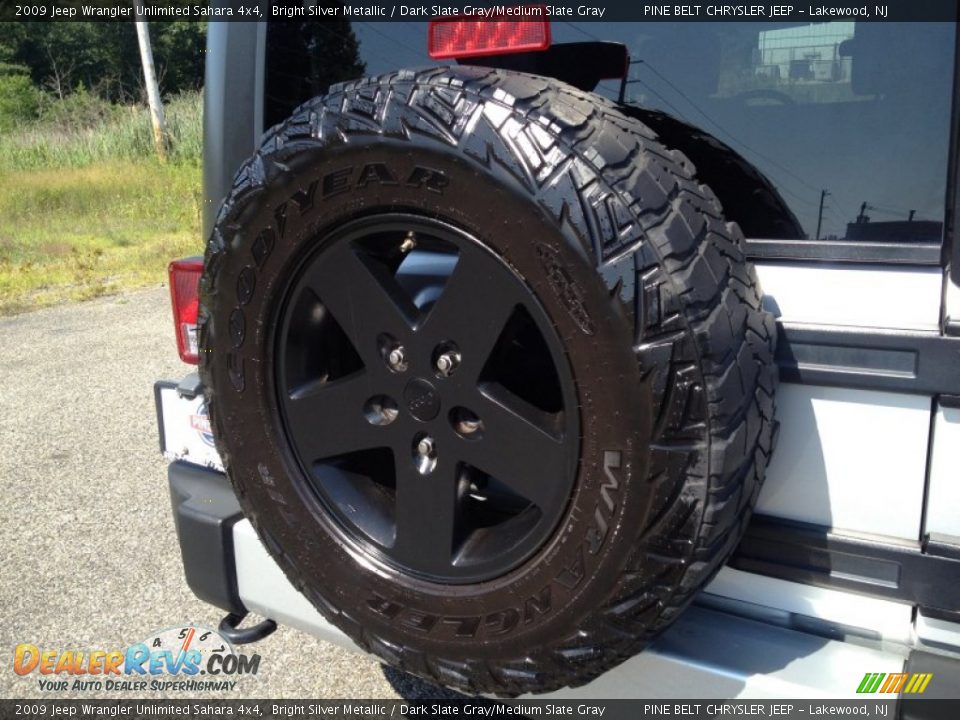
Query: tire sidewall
point(541, 601)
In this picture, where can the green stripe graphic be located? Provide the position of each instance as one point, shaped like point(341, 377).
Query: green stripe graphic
point(865, 683)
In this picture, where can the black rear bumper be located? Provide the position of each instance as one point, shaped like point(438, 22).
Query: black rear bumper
point(205, 511)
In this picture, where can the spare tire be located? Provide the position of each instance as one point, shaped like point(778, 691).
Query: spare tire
point(747, 195)
point(488, 372)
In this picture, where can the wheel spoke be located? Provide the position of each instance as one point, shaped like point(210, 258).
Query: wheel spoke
point(419, 378)
point(519, 448)
point(427, 516)
point(474, 308)
point(326, 418)
point(364, 298)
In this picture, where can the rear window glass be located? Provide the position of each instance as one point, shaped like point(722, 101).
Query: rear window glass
point(857, 114)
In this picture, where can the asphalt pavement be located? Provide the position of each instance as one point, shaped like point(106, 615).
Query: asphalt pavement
point(89, 558)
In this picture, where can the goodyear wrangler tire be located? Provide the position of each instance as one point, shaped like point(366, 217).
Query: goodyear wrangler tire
point(488, 372)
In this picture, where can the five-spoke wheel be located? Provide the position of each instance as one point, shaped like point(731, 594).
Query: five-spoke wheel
point(427, 398)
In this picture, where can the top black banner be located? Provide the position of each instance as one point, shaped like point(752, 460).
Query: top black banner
point(787, 11)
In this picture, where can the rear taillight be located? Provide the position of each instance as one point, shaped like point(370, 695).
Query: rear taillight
point(185, 296)
point(462, 38)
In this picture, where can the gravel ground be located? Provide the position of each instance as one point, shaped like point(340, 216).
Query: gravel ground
point(90, 552)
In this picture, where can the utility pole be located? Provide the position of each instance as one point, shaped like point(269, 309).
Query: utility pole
point(624, 81)
point(160, 138)
point(823, 196)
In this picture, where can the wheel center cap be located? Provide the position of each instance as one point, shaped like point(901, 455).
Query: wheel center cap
point(422, 399)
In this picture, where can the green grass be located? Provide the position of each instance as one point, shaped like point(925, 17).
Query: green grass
point(83, 130)
point(88, 210)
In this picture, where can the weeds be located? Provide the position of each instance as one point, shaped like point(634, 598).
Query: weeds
point(85, 207)
point(84, 130)
point(91, 254)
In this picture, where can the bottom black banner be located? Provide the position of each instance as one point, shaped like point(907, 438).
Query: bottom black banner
point(880, 709)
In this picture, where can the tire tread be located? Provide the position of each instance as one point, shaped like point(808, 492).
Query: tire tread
point(703, 341)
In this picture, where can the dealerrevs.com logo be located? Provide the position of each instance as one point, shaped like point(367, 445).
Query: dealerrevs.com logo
point(189, 659)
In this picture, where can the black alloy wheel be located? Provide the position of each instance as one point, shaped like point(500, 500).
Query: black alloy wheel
point(427, 398)
point(488, 372)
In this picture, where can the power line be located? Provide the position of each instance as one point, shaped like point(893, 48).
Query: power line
point(836, 215)
point(662, 99)
point(370, 26)
point(726, 132)
point(581, 30)
point(781, 185)
point(703, 113)
point(613, 91)
point(888, 211)
point(379, 56)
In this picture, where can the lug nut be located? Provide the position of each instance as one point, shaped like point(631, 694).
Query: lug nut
point(424, 454)
point(426, 447)
point(468, 426)
point(397, 359)
point(448, 361)
point(380, 410)
point(466, 423)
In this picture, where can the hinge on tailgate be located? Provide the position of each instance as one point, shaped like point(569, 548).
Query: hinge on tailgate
point(190, 387)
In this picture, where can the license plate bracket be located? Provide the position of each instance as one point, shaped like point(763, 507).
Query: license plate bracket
point(183, 424)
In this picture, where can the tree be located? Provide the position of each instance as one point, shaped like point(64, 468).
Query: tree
point(180, 49)
point(103, 57)
point(304, 58)
point(19, 100)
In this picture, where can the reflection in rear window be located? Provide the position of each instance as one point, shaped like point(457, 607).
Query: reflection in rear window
point(858, 111)
point(857, 114)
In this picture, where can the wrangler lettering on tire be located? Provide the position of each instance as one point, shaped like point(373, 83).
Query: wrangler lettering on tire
point(488, 372)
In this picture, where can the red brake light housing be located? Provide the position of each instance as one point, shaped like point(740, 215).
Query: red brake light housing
point(468, 36)
point(185, 297)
